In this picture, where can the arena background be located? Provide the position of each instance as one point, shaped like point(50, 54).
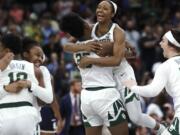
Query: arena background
point(143, 20)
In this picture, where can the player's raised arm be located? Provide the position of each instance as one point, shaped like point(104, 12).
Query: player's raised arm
point(4, 62)
point(90, 46)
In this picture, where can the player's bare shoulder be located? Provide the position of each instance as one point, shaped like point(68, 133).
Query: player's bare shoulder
point(119, 36)
point(119, 32)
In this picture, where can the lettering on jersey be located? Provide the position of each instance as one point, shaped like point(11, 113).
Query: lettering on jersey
point(106, 39)
point(19, 66)
point(107, 36)
point(78, 57)
point(103, 40)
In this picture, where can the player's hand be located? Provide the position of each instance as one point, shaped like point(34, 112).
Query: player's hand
point(59, 126)
point(93, 46)
point(130, 53)
point(129, 83)
point(16, 87)
point(84, 62)
point(107, 49)
point(8, 57)
point(6, 60)
point(24, 83)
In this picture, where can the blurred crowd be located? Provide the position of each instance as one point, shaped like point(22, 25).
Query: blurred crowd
point(144, 21)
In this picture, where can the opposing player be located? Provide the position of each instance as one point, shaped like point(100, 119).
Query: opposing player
point(124, 70)
point(32, 52)
point(16, 107)
point(167, 76)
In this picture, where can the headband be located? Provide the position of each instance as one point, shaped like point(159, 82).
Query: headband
point(170, 37)
point(114, 6)
point(44, 58)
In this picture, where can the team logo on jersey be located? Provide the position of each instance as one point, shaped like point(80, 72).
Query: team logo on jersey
point(105, 39)
point(107, 36)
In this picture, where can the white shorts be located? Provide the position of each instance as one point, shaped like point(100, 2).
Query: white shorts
point(102, 107)
point(174, 128)
point(18, 120)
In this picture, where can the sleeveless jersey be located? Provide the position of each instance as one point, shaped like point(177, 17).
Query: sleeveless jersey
point(18, 70)
point(95, 76)
point(109, 38)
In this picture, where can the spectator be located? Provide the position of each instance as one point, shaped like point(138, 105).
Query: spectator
point(70, 111)
point(147, 48)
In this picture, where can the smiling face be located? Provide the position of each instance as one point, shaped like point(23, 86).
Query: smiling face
point(35, 55)
point(104, 12)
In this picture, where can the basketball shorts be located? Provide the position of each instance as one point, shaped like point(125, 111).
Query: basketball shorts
point(102, 106)
point(18, 120)
point(48, 122)
point(174, 128)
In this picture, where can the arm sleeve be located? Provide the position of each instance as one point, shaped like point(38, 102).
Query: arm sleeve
point(44, 94)
point(156, 86)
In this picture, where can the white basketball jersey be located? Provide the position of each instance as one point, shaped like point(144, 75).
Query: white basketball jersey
point(18, 70)
point(173, 80)
point(95, 76)
point(109, 38)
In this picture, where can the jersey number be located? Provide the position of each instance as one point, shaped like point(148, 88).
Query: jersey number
point(79, 56)
point(16, 77)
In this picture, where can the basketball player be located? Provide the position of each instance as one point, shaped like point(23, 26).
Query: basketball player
point(130, 99)
point(99, 81)
point(33, 52)
point(17, 113)
point(167, 76)
point(5, 61)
